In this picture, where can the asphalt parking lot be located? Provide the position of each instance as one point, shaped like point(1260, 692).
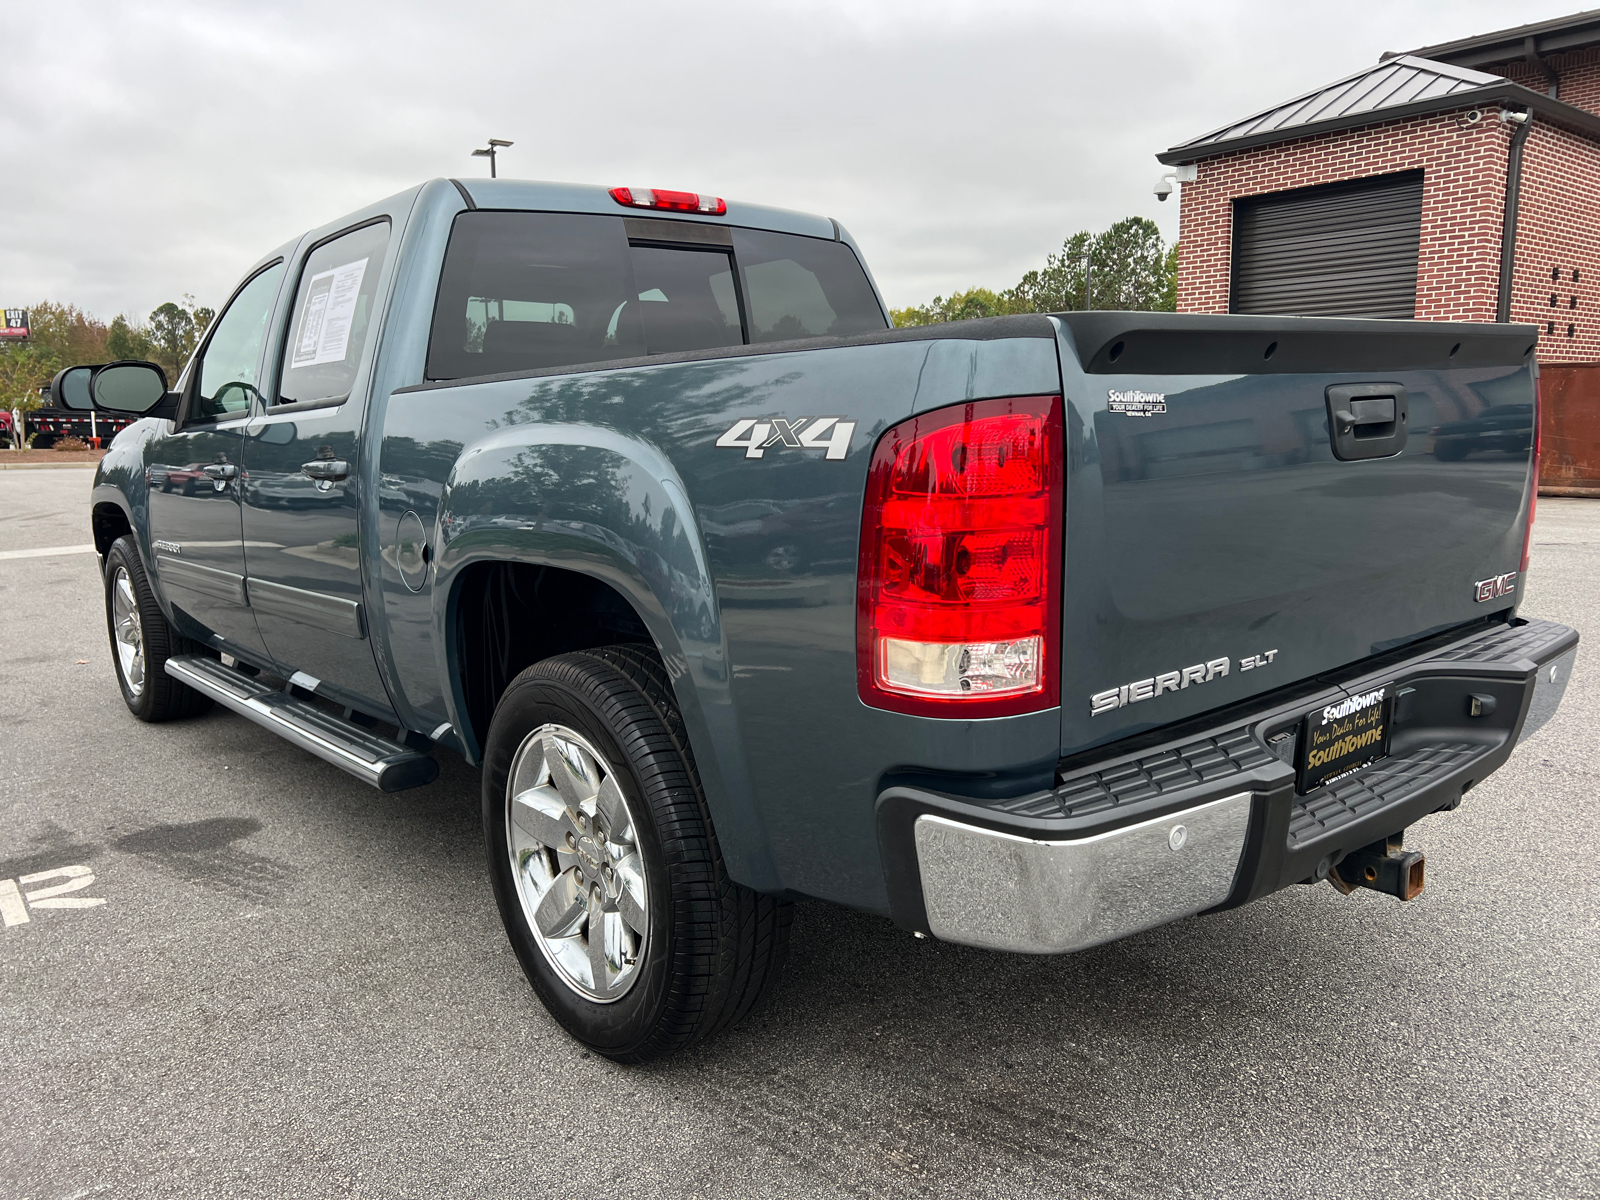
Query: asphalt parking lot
point(298, 986)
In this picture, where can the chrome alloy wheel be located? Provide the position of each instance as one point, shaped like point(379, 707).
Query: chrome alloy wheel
point(575, 857)
point(128, 630)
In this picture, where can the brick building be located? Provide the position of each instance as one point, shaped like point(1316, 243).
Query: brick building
point(1457, 182)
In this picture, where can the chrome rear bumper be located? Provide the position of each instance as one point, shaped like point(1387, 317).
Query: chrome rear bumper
point(1099, 856)
point(1004, 892)
point(1549, 686)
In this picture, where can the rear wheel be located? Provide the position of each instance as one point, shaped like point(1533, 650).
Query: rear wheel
point(142, 641)
point(605, 865)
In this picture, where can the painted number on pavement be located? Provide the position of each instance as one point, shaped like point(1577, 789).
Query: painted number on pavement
point(17, 896)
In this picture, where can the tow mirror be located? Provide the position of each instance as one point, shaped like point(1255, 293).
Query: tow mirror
point(134, 388)
point(70, 389)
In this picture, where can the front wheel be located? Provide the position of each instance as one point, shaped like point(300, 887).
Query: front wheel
point(605, 865)
point(142, 641)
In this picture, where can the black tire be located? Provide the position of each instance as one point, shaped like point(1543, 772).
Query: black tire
point(161, 698)
point(715, 948)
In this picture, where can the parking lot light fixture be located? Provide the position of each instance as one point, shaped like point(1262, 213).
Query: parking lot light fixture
point(489, 152)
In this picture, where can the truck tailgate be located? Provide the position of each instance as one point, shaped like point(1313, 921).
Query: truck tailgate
point(1220, 545)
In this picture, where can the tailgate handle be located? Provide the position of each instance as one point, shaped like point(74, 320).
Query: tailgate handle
point(1367, 420)
point(1371, 412)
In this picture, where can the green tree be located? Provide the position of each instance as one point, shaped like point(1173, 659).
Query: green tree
point(171, 337)
point(962, 306)
point(1128, 267)
point(124, 341)
point(174, 331)
point(23, 371)
point(1169, 292)
point(67, 332)
point(1059, 285)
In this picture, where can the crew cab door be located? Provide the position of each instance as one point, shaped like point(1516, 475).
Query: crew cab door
point(195, 473)
point(303, 498)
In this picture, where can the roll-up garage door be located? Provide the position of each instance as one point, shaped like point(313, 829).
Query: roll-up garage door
point(1340, 250)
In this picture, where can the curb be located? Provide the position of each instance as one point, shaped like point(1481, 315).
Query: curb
point(37, 466)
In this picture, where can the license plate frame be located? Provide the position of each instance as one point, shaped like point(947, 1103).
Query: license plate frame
point(1340, 739)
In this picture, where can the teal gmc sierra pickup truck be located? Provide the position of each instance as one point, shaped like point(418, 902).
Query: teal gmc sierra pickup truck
point(1027, 633)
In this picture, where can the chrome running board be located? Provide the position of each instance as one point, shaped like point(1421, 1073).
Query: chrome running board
point(384, 763)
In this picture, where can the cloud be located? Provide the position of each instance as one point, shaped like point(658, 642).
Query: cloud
point(156, 149)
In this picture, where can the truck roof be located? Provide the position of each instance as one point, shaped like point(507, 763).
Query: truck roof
point(537, 195)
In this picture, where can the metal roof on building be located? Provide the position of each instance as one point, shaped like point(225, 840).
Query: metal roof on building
point(1397, 83)
point(1399, 87)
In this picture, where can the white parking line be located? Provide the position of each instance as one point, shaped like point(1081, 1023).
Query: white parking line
point(46, 551)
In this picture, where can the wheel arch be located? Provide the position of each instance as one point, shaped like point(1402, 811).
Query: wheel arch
point(109, 521)
point(587, 536)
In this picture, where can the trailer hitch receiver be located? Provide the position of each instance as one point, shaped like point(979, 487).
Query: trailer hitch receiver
point(1384, 867)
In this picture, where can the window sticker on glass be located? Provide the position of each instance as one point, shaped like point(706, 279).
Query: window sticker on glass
point(330, 309)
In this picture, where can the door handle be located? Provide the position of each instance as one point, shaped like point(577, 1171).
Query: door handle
point(327, 472)
point(330, 469)
point(221, 471)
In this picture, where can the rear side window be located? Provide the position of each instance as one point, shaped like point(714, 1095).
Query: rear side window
point(527, 291)
point(799, 287)
point(535, 291)
point(333, 309)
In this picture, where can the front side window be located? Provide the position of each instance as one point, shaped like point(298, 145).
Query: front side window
point(801, 287)
point(227, 375)
point(333, 311)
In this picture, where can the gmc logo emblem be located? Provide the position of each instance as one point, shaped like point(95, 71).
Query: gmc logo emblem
point(1493, 589)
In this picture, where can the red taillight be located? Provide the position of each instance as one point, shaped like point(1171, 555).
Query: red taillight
point(959, 596)
point(693, 202)
point(1533, 483)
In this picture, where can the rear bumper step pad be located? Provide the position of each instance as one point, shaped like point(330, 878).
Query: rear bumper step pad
point(380, 761)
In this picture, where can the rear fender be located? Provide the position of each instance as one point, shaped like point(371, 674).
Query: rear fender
point(596, 502)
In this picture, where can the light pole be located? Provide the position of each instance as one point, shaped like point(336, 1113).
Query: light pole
point(488, 152)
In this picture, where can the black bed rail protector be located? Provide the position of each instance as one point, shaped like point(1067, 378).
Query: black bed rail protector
point(1142, 343)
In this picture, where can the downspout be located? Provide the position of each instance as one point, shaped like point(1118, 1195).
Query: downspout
point(1508, 236)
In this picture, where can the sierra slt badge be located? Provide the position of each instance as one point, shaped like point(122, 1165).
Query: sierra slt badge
point(1493, 589)
point(1172, 681)
point(832, 434)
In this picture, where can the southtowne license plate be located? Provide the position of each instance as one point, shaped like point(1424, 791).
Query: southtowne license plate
point(1344, 737)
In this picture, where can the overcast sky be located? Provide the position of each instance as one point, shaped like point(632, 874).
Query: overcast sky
point(153, 149)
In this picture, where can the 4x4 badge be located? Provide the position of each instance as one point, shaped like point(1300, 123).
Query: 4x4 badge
point(832, 434)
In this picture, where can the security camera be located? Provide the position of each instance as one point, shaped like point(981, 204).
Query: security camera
point(1164, 186)
point(1513, 118)
point(1472, 118)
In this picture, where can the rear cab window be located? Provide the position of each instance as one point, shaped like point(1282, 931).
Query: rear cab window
point(525, 291)
point(801, 287)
